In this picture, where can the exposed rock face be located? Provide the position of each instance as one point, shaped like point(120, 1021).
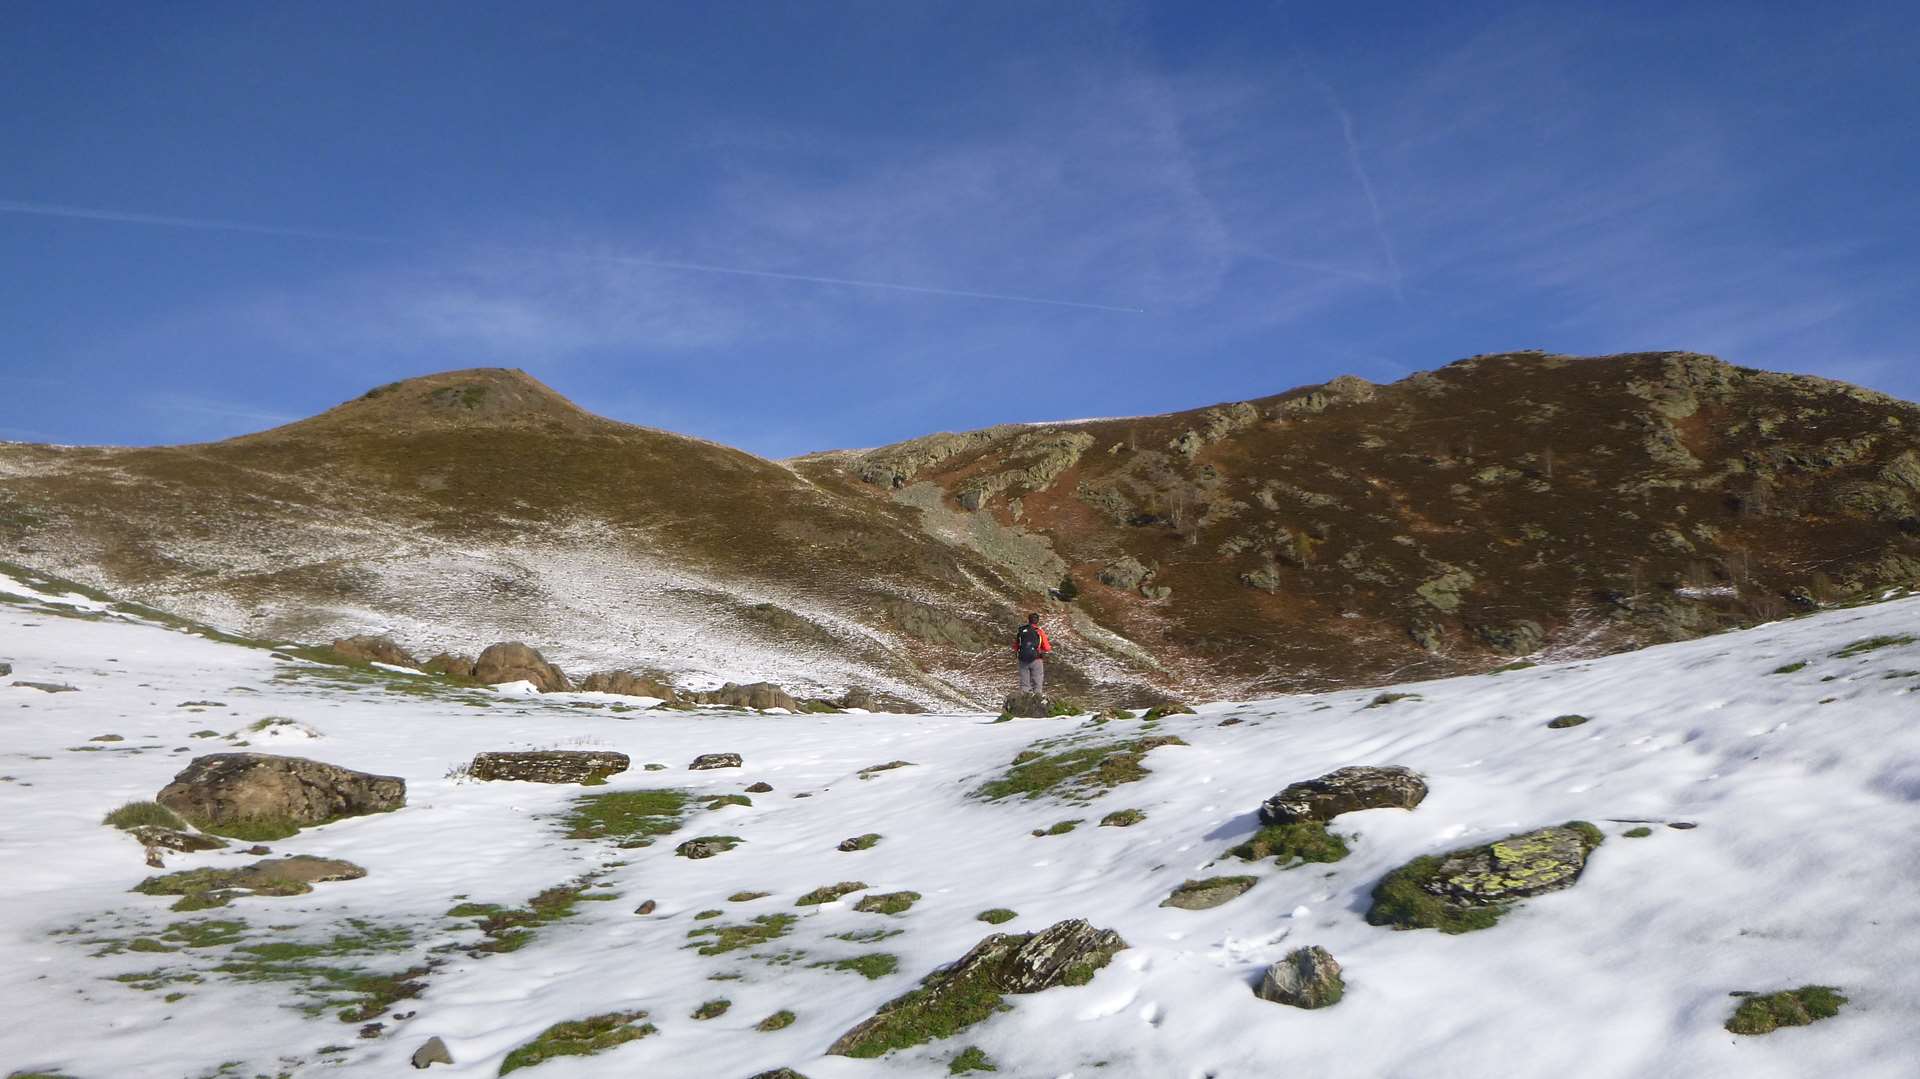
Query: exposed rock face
point(1027, 706)
point(1127, 574)
point(715, 760)
point(1470, 888)
point(628, 684)
point(759, 696)
point(1209, 893)
point(1520, 638)
point(1306, 978)
point(1345, 790)
point(549, 765)
point(372, 649)
point(263, 796)
point(511, 661)
point(958, 996)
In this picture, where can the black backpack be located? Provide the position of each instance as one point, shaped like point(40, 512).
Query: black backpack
point(1028, 643)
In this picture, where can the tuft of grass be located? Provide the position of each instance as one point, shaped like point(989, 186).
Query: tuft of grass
point(627, 818)
point(1293, 844)
point(887, 903)
point(1790, 668)
point(779, 1020)
point(867, 936)
point(728, 800)
point(827, 893)
point(869, 966)
point(256, 829)
point(1123, 818)
point(1078, 772)
point(1786, 1008)
point(705, 914)
point(579, 1038)
point(510, 929)
point(996, 916)
point(1063, 708)
point(1560, 723)
point(1062, 828)
point(141, 813)
point(1641, 832)
point(971, 1059)
point(1869, 644)
point(728, 938)
point(713, 1009)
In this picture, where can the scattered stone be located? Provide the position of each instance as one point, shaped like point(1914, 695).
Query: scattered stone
point(859, 842)
point(200, 889)
point(707, 846)
point(1345, 790)
point(1209, 893)
point(887, 902)
point(263, 796)
point(1560, 723)
point(1682, 825)
point(1306, 978)
point(106, 738)
point(1027, 706)
point(1122, 818)
point(828, 893)
point(154, 835)
point(779, 1073)
point(449, 664)
point(1167, 708)
point(760, 788)
point(258, 850)
point(646, 908)
point(375, 649)
point(970, 990)
point(872, 770)
point(1471, 888)
point(779, 1020)
point(759, 696)
point(654, 767)
point(715, 760)
point(47, 687)
point(628, 684)
point(5, 669)
point(549, 765)
point(433, 1052)
point(512, 661)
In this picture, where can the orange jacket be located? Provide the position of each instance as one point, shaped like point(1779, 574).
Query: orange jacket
point(1045, 645)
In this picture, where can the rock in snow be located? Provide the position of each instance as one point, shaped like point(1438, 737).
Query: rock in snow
point(512, 661)
point(549, 765)
point(1344, 790)
point(263, 796)
point(1306, 978)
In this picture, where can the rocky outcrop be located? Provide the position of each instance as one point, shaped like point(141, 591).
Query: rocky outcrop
point(372, 649)
point(1040, 458)
point(1126, 573)
point(759, 696)
point(512, 661)
point(897, 465)
point(1306, 978)
point(1027, 706)
point(970, 990)
point(549, 765)
point(1209, 893)
point(1470, 888)
point(263, 796)
point(715, 760)
point(628, 684)
point(1345, 390)
point(1345, 790)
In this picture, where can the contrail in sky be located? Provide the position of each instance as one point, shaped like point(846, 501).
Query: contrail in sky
point(204, 224)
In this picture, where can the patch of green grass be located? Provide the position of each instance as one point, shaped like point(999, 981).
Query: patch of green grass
point(1641, 832)
point(705, 914)
point(869, 966)
point(1790, 668)
point(475, 910)
point(579, 1038)
point(827, 893)
point(971, 1059)
point(1161, 711)
point(728, 938)
point(1123, 818)
point(779, 1020)
point(867, 936)
point(204, 933)
point(1061, 828)
point(1869, 644)
point(257, 829)
point(713, 1009)
point(321, 973)
point(138, 813)
point(747, 897)
point(728, 800)
point(996, 916)
point(1786, 1008)
point(860, 842)
point(1385, 699)
point(510, 929)
point(1004, 717)
point(626, 818)
point(1560, 723)
point(1076, 772)
point(887, 903)
point(1293, 844)
point(1063, 708)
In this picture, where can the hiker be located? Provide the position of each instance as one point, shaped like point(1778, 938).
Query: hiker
point(1032, 646)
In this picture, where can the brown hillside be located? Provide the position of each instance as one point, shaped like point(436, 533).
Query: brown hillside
point(1498, 507)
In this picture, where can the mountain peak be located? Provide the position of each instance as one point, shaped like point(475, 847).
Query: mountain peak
point(474, 397)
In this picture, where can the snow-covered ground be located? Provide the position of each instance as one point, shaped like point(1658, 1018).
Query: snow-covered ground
point(1803, 868)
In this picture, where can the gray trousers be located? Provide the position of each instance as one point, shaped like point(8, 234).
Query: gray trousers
point(1033, 676)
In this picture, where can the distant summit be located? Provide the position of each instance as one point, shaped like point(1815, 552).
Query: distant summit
point(475, 397)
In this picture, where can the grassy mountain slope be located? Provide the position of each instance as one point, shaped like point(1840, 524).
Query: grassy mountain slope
point(1331, 535)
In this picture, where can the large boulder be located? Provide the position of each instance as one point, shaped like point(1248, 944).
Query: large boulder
point(1345, 790)
point(1126, 574)
point(715, 760)
point(549, 765)
point(449, 664)
point(1027, 706)
point(372, 649)
point(958, 996)
point(1306, 978)
point(758, 695)
point(264, 796)
point(1470, 888)
point(511, 661)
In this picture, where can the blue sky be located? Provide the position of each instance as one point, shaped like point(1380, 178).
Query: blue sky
point(216, 217)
